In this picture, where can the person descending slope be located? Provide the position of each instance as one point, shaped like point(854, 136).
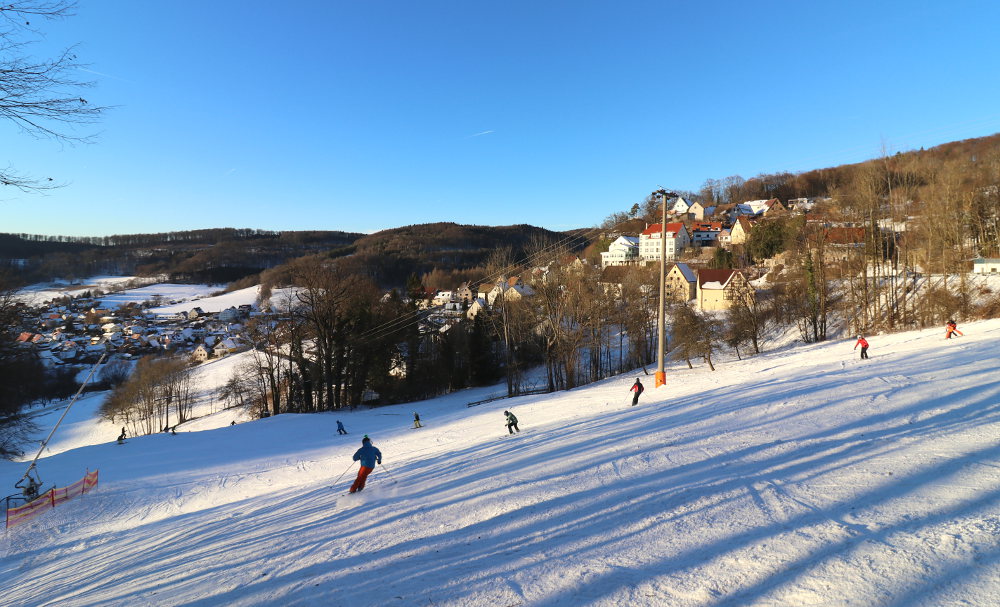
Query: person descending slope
point(340, 427)
point(637, 387)
point(864, 346)
point(511, 422)
point(416, 420)
point(949, 328)
point(368, 455)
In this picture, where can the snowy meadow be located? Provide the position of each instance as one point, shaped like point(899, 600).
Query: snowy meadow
point(802, 476)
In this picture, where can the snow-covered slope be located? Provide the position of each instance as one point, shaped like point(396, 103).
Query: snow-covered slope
point(798, 477)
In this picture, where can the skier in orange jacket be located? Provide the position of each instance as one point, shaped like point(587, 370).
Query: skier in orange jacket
point(950, 328)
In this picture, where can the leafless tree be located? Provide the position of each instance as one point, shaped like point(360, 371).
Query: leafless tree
point(41, 96)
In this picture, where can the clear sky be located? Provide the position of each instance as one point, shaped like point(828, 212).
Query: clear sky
point(365, 115)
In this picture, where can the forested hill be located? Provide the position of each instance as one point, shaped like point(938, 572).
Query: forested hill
point(214, 255)
point(442, 254)
point(229, 255)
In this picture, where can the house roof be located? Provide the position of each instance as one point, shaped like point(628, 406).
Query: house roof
point(707, 279)
point(839, 235)
point(713, 226)
point(687, 272)
point(674, 228)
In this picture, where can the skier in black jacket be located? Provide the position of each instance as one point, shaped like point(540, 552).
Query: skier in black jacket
point(511, 422)
point(637, 388)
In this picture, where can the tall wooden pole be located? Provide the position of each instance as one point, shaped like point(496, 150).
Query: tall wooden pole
point(661, 324)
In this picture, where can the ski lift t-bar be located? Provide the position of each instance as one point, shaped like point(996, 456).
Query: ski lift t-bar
point(61, 417)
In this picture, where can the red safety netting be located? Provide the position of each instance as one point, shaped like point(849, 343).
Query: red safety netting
point(50, 499)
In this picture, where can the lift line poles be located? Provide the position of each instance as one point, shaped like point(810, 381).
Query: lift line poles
point(45, 442)
point(661, 322)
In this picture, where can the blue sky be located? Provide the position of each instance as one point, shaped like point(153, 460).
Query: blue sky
point(362, 116)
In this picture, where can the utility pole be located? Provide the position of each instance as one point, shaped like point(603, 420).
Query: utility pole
point(661, 322)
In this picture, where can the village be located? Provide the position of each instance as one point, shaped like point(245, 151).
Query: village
point(80, 330)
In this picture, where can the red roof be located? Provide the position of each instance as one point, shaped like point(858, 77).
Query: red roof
point(845, 235)
point(719, 276)
point(700, 227)
point(671, 228)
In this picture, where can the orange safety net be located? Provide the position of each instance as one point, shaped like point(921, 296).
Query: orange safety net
point(50, 499)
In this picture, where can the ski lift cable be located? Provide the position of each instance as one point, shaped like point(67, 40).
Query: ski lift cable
point(45, 442)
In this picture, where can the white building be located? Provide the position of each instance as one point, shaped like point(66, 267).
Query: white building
point(986, 266)
point(622, 252)
point(678, 239)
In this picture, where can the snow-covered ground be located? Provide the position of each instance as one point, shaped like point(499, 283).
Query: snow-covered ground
point(799, 477)
point(216, 303)
point(38, 294)
point(167, 292)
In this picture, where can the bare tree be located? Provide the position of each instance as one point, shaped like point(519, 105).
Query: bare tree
point(41, 96)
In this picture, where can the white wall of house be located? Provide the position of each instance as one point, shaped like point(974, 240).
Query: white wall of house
point(986, 266)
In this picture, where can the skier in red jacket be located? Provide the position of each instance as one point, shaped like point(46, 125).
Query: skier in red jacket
point(864, 346)
point(637, 387)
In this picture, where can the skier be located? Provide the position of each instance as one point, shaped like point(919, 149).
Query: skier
point(368, 456)
point(416, 420)
point(950, 328)
point(864, 346)
point(637, 387)
point(121, 437)
point(511, 422)
point(340, 427)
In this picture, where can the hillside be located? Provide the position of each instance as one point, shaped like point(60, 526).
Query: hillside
point(390, 256)
point(799, 477)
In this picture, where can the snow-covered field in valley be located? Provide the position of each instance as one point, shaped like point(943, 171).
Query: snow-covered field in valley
point(802, 476)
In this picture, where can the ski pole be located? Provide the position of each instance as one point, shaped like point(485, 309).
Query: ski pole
point(386, 469)
point(343, 473)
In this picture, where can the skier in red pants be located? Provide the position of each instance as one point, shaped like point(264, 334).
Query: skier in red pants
point(368, 455)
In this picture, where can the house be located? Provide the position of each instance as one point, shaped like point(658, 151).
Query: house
point(843, 243)
point(484, 290)
point(230, 314)
point(680, 206)
point(696, 211)
point(477, 306)
point(756, 208)
point(464, 294)
point(717, 289)
point(195, 313)
point(623, 251)
point(705, 234)
point(200, 353)
point(740, 232)
point(511, 289)
point(442, 297)
point(649, 242)
point(986, 265)
point(680, 283)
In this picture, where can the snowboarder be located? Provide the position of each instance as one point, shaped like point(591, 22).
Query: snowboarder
point(950, 328)
point(121, 437)
point(511, 422)
point(637, 387)
point(340, 427)
point(416, 420)
point(368, 455)
point(864, 346)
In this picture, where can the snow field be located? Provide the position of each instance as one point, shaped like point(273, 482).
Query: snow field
point(798, 477)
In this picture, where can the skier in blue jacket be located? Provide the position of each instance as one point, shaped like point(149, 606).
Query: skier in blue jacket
point(368, 455)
